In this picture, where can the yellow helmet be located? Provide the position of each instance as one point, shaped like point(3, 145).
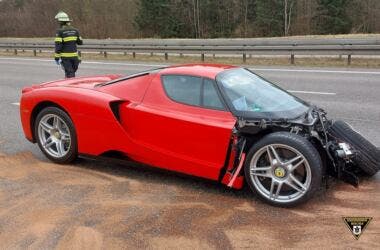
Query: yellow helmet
point(62, 17)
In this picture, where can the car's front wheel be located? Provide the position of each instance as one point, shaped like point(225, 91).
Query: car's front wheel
point(283, 169)
point(55, 134)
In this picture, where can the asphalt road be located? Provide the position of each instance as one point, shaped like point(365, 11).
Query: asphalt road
point(349, 94)
point(97, 205)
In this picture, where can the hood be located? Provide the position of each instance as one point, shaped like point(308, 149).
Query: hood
point(79, 82)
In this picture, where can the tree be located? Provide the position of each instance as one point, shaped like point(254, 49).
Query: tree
point(191, 18)
point(156, 17)
point(217, 18)
point(366, 20)
point(270, 17)
point(288, 11)
point(332, 18)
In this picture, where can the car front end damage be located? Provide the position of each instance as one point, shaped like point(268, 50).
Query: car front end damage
point(339, 157)
point(283, 147)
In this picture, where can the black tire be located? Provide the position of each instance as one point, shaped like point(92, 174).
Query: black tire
point(368, 156)
point(72, 152)
point(304, 147)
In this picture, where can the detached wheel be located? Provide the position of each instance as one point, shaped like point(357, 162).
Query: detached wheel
point(368, 156)
point(283, 169)
point(56, 135)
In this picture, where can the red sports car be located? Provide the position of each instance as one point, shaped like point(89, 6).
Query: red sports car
point(218, 122)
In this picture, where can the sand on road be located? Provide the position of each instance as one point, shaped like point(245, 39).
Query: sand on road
point(97, 205)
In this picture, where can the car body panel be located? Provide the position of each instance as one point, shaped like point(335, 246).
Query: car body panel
point(87, 108)
point(79, 82)
point(197, 135)
point(132, 90)
point(149, 127)
point(201, 70)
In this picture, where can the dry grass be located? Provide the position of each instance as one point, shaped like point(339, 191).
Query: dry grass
point(360, 35)
point(264, 61)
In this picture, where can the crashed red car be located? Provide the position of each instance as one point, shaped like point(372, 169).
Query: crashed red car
point(217, 122)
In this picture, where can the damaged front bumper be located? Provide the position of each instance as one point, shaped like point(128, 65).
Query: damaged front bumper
point(338, 156)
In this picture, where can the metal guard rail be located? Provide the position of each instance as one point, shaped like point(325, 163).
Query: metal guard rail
point(226, 47)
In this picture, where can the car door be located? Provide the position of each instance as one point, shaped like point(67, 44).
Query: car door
point(183, 125)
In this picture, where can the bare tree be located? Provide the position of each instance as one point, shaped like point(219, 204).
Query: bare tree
point(245, 18)
point(288, 7)
point(188, 18)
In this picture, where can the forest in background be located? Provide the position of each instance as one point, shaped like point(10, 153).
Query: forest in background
point(191, 18)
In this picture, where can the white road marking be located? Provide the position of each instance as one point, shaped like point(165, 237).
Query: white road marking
point(15, 103)
point(163, 65)
point(319, 71)
point(85, 62)
point(311, 92)
point(127, 64)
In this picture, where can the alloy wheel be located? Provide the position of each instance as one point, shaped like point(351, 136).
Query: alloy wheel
point(280, 173)
point(54, 135)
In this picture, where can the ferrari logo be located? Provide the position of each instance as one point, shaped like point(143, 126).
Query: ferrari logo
point(357, 225)
point(279, 172)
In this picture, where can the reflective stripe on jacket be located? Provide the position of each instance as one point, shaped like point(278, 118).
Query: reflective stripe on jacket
point(66, 41)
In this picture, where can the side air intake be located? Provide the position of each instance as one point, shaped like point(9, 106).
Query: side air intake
point(115, 107)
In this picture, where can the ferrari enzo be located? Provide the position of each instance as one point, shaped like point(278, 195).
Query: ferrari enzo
point(219, 122)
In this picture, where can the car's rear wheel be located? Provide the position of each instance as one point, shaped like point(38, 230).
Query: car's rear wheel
point(56, 136)
point(283, 169)
point(368, 156)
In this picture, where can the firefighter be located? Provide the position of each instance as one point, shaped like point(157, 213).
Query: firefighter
point(66, 41)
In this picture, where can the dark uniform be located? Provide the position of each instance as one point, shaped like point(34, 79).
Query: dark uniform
point(66, 42)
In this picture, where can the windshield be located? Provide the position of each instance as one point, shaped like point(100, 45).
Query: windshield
point(251, 96)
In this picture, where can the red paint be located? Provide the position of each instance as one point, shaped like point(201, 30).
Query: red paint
point(152, 129)
point(237, 172)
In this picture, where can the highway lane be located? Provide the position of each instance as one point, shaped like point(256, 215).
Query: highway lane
point(349, 94)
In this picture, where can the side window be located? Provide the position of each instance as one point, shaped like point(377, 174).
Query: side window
point(184, 89)
point(210, 96)
point(192, 90)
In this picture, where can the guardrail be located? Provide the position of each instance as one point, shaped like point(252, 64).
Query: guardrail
point(202, 47)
